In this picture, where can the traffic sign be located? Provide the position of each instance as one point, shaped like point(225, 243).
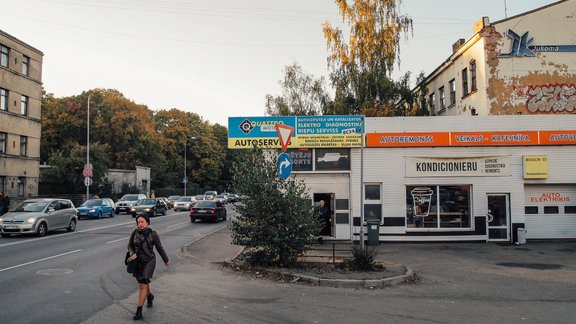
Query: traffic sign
point(88, 166)
point(87, 181)
point(87, 173)
point(185, 180)
point(284, 165)
point(284, 133)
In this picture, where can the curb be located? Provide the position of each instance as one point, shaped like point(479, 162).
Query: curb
point(352, 283)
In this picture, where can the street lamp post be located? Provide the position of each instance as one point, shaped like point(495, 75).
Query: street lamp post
point(185, 180)
point(88, 143)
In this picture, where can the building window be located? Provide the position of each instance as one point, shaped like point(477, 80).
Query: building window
point(3, 184)
point(25, 65)
point(4, 55)
point(24, 105)
point(3, 141)
point(431, 101)
point(551, 210)
point(530, 210)
point(372, 202)
point(3, 99)
point(464, 82)
point(442, 99)
point(452, 84)
point(332, 159)
point(473, 86)
point(372, 192)
point(301, 159)
point(23, 145)
point(569, 209)
point(431, 206)
point(423, 104)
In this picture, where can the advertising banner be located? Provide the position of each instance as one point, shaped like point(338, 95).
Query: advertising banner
point(486, 166)
point(309, 131)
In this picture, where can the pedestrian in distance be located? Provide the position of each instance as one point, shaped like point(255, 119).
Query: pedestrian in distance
point(141, 248)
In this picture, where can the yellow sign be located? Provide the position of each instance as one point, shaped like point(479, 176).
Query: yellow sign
point(266, 143)
point(535, 166)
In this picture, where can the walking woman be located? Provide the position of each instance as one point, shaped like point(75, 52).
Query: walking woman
point(140, 246)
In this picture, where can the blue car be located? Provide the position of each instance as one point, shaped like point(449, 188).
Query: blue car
point(96, 208)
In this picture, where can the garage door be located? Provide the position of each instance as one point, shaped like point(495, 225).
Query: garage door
point(550, 212)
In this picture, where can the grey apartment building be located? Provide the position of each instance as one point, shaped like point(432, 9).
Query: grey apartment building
point(20, 117)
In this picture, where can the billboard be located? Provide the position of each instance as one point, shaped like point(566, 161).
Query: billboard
point(309, 131)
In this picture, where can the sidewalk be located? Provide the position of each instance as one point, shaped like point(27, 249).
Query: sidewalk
point(466, 280)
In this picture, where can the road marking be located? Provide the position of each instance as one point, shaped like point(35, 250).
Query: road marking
point(178, 224)
point(40, 260)
point(122, 239)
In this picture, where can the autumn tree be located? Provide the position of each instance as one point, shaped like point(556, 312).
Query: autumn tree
point(362, 61)
point(302, 94)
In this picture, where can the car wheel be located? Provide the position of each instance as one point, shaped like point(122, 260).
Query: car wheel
point(164, 212)
point(6, 235)
point(71, 226)
point(112, 214)
point(100, 215)
point(193, 220)
point(42, 229)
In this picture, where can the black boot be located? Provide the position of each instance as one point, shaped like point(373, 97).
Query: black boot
point(150, 299)
point(138, 314)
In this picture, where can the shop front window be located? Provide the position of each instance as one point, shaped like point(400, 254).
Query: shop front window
point(432, 206)
point(301, 159)
point(333, 159)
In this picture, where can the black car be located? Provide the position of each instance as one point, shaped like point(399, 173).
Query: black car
point(149, 206)
point(208, 210)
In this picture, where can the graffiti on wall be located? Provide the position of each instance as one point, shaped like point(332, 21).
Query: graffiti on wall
point(551, 98)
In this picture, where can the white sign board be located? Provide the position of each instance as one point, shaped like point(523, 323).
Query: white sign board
point(487, 166)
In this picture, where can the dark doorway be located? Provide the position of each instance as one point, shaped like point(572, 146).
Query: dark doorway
point(325, 212)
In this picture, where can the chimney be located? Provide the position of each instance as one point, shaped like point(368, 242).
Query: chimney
point(457, 45)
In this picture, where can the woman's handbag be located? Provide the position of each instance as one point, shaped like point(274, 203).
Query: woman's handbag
point(130, 264)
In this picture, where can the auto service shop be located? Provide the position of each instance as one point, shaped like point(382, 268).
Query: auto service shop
point(452, 178)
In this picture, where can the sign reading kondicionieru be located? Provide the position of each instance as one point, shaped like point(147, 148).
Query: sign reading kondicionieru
point(309, 131)
point(486, 166)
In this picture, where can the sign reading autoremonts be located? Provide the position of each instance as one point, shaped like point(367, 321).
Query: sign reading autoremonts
point(309, 131)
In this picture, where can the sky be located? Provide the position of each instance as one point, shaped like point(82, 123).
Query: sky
point(216, 58)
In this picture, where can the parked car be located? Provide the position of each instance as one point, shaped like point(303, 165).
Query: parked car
point(38, 216)
point(169, 204)
point(149, 206)
point(184, 203)
point(96, 208)
point(127, 201)
point(173, 199)
point(210, 194)
point(208, 210)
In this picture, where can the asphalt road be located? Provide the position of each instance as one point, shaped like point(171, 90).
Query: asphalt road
point(66, 277)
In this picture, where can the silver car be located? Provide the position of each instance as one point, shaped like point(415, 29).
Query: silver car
point(38, 216)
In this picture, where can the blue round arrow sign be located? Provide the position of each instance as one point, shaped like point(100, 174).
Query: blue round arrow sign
point(284, 165)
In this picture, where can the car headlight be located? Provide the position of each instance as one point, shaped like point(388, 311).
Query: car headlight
point(92, 211)
point(132, 209)
point(31, 220)
point(146, 209)
point(1, 221)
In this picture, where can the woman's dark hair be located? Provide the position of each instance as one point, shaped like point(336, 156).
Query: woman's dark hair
point(146, 218)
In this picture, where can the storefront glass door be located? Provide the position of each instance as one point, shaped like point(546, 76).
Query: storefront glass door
point(498, 217)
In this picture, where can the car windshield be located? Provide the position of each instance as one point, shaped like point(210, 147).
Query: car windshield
point(129, 198)
point(205, 204)
point(92, 203)
point(185, 199)
point(31, 206)
point(211, 193)
point(149, 201)
point(173, 197)
point(221, 196)
point(200, 197)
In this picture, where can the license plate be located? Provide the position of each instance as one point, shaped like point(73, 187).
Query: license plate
point(11, 227)
point(201, 211)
